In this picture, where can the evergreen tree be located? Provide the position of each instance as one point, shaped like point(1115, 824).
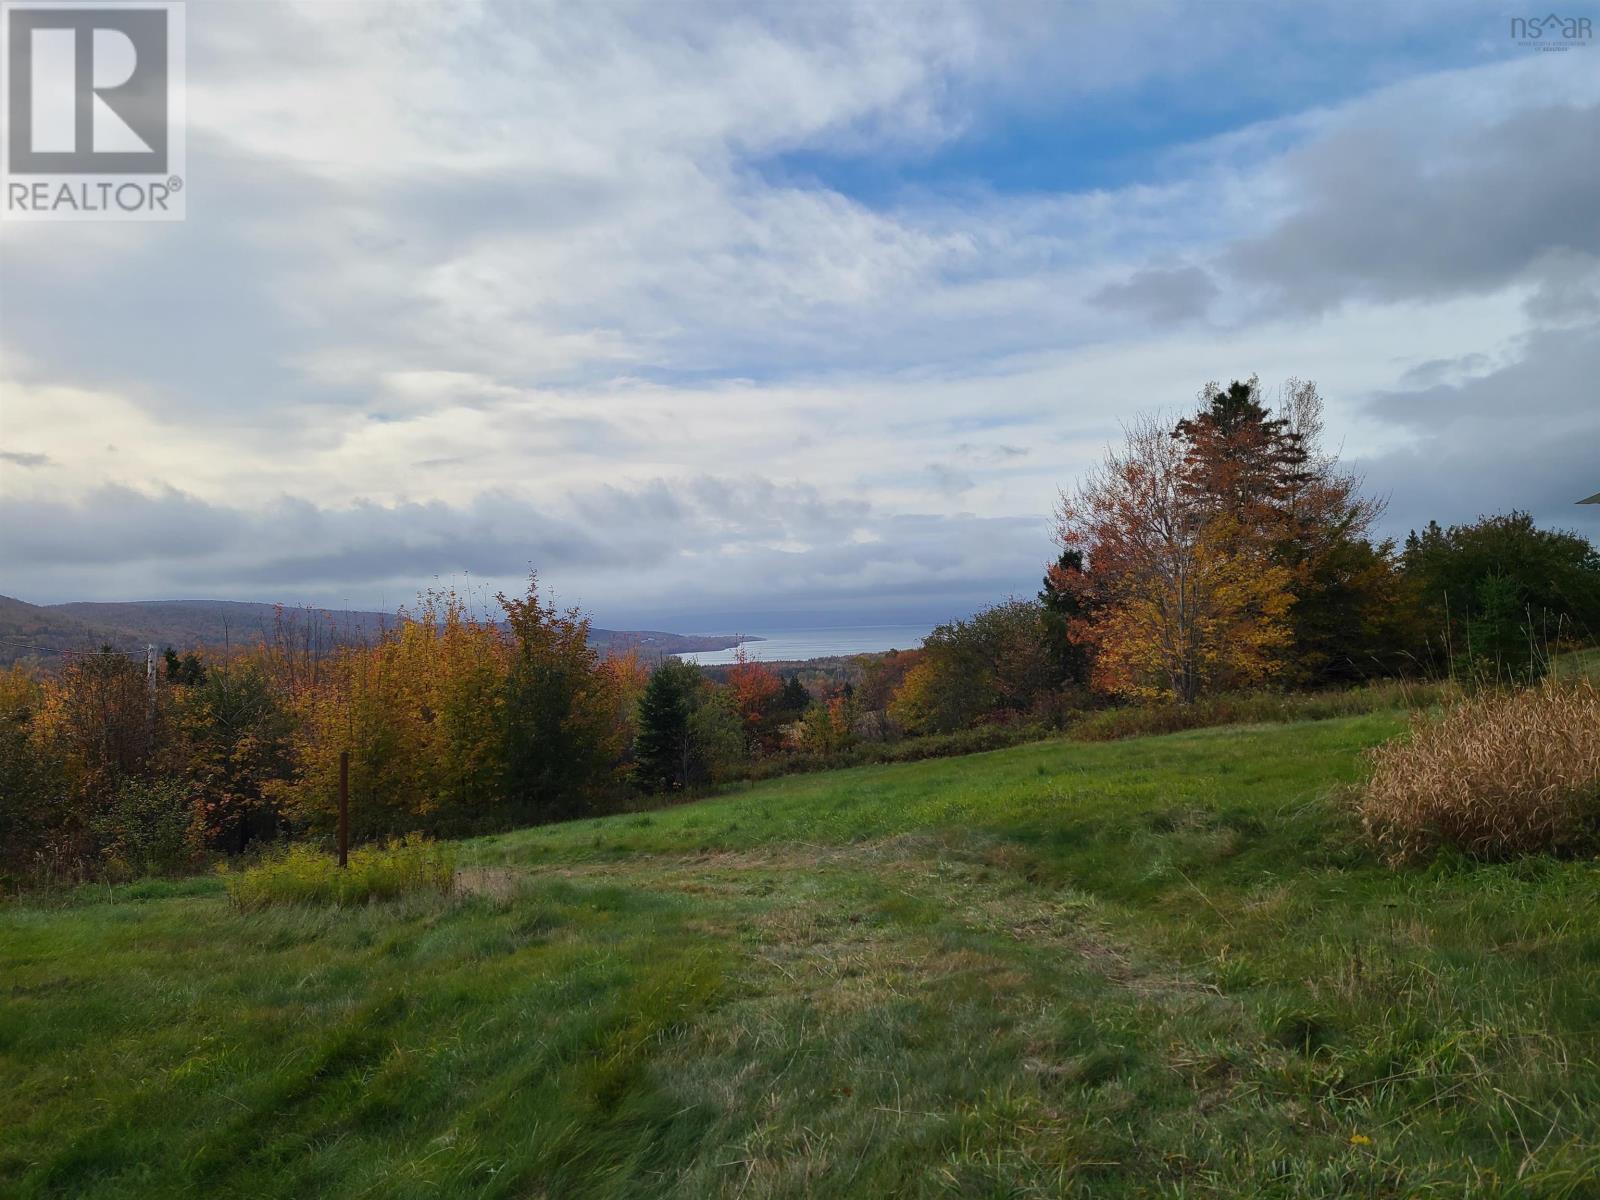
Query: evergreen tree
point(185, 671)
point(794, 699)
point(1064, 600)
point(1261, 483)
point(1240, 461)
point(665, 755)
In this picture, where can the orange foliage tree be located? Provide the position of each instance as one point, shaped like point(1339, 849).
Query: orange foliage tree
point(754, 689)
point(1180, 598)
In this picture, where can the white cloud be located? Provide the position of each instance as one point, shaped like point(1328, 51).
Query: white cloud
point(483, 279)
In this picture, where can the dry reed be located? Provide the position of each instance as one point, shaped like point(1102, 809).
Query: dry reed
point(1496, 776)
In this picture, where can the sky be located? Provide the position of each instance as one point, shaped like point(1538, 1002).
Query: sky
point(725, 315)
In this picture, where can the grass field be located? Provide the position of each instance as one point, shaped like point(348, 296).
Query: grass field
point(1157, 967)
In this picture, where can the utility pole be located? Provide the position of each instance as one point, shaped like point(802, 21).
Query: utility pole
point(150, 692)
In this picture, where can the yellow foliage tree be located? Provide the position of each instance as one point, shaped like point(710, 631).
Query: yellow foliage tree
point(1179, 600)
point(420, 714)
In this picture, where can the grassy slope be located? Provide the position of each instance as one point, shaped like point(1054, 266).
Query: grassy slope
point(1150, 968)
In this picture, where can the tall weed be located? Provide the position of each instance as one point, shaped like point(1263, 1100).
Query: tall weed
point(304, 875)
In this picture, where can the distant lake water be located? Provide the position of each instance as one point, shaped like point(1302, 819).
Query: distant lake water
point(784, 645)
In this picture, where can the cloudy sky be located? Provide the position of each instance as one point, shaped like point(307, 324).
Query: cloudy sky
point(791, 314)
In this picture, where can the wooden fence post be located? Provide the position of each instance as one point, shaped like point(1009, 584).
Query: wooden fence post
point(344, 808)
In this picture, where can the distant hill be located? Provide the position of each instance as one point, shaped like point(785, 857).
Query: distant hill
point(44, 631)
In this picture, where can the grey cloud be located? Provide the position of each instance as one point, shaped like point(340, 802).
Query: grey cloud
point(1386, 214)
point(24, 458)
point(717, 539)
point(1164, 296)
point(1454, 480)
point(1439, 370)
point(989, 453)
point(115, 526)
point(1568, 291)
point(1554, 380)
point(950, 480)
point(1524, 436)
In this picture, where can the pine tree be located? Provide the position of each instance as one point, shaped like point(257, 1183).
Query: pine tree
point(1240, 462)
point(1066, 602)
point(664, 752)
point(794, 699)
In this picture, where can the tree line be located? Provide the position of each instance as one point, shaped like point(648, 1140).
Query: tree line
point(1217, 553)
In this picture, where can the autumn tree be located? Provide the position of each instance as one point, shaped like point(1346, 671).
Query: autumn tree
point(32, 783)
point(882, 675)
point(106, 720)
point(238, 743)
point(564, 734)
point(914, 706)
point(1241, 463)
point(1262, 475)
point(993, 666)
point(829, 726)
point(626, 676)
point(1180, 600)
point(422, 713)
point(754, 690)
point(112, 734)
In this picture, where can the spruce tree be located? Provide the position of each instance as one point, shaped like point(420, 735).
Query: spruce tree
point(1062, 603)
point(664, 752)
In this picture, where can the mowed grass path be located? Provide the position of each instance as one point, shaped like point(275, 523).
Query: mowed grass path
point(1161, 967)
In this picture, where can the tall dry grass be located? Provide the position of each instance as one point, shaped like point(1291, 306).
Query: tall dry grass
point(1497, 775)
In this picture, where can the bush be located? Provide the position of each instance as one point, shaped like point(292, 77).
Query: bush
point(1496, 776)
point(303, 875)
point(915, 749)
point(148, 828)
point(1252, 708)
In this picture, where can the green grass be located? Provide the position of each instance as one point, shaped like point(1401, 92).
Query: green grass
point(1578, 664)
point(1156, 967)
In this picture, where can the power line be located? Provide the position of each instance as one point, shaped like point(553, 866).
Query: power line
point(133, 654)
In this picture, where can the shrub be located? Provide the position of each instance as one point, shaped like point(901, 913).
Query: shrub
point(936, 745)
point(1496, 776)
point(1253, 708)
point(996, 662)
point(147, 828)
point(303, 875)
